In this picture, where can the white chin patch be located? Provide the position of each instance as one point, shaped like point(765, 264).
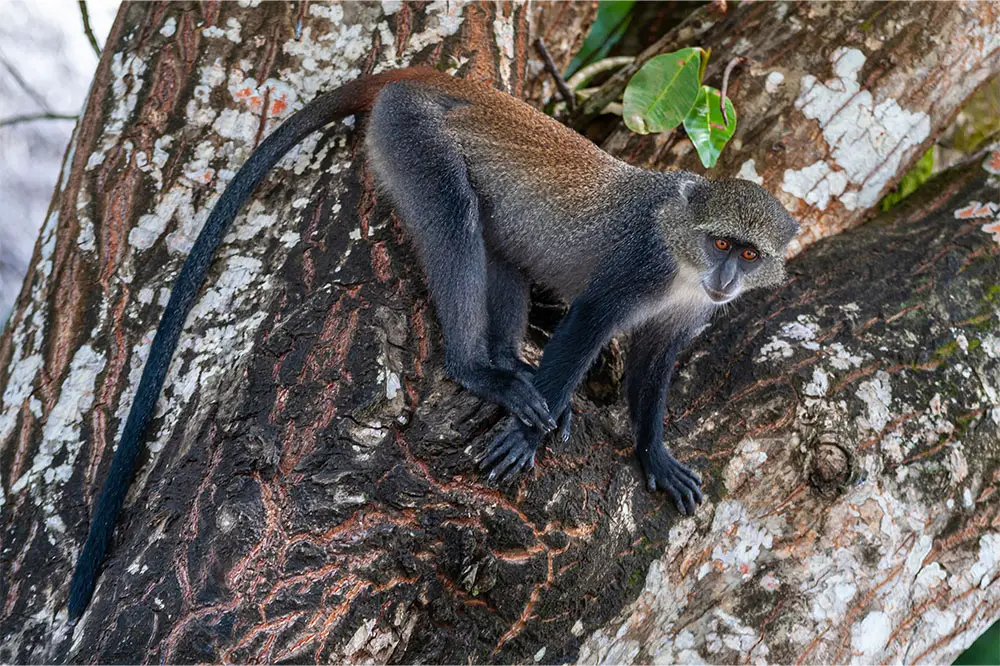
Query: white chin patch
point(717, 298)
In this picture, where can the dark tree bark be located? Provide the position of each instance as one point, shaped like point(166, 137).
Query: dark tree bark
point(309, 492)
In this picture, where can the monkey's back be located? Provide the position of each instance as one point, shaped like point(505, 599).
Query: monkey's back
point(551, 198)
point(551, 202)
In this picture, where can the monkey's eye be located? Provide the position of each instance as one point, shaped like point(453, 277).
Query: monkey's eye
point(750, 254)
point(722, 244)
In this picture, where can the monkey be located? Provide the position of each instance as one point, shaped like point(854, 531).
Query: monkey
point(496, 196)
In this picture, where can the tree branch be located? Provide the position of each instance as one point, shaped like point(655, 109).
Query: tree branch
point(36, 96)
point(85, 15)
point(31, 117)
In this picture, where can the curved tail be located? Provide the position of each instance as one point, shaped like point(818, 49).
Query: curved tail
point(355, 96)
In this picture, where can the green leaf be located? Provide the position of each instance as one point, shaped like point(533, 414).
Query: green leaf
point(662, 93)
point(613, 17)
point(913, 179)
point(705, 128)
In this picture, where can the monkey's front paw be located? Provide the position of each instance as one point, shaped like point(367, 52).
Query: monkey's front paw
point(512, 452)
point(664, 472)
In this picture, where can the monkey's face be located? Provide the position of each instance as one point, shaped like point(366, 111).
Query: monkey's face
point(741, 234)
point(729, 264)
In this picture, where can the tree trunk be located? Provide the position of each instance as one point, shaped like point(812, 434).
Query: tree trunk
point(836, 101)
point(309, 492)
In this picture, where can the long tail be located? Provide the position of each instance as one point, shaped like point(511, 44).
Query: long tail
point(355, 96)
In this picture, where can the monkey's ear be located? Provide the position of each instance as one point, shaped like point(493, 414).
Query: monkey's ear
point(693, 190)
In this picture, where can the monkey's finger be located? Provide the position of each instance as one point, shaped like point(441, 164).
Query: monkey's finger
point(535, 407)
point(532, 411)
point(489, 464)
point(506, 466)
point(498, 449)
point(565, 425)
point(690, 486)
point(688, 500)
point(689, 474)
point(676, 496)
point(524, 462)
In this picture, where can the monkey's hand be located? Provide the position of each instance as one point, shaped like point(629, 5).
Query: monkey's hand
point(512, 391)
point(665, 472)
point(512, 452)
point(526, 372)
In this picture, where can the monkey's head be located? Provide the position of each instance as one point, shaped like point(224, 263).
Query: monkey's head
point(736, 237)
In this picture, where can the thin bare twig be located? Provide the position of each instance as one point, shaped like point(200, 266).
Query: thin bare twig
point(550, 66)
point(30, 117)
point(87, 29)
point(36, 96)
point(725, 85)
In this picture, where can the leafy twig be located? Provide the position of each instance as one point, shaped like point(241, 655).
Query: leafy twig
point(87, 29)
point(30, 117)
point(615, 86)
point(550, 65)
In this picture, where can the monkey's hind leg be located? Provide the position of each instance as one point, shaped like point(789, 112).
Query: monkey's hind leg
point(507, 296)
point(421, 168)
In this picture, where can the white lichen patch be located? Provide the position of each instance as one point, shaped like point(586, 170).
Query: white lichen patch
point(748, 171)
point(841, 359)
point(817, 184)
point(833, 584)
point(818, 385)
point(169, 27)
point(775, 350)
point(867, 140)
point(773, 82)
point(127, 81)
point(20, 385)
point(802, 331)
point(126, 84)
point(61, 438)
point(255, 221)
point(444, 18)
point(741, 541)
point(150, 227)
point(870, 636)
point(503, 34)
point(199, 110)
point(745, 464)
point(231, 31)
point(877, 396)
point(622, 520)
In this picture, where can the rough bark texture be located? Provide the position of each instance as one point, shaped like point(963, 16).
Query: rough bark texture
point(851, 423)
point(309, 492)
point(838, 98)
